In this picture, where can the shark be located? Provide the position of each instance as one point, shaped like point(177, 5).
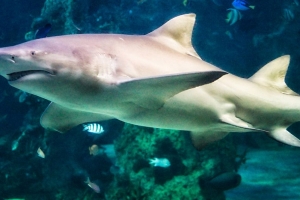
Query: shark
point(154, 80)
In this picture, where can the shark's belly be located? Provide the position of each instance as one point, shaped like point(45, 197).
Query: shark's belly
point(191, 110)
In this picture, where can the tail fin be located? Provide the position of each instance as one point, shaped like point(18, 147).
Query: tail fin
point(273, 75)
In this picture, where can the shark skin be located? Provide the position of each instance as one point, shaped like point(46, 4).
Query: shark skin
point(154, 80)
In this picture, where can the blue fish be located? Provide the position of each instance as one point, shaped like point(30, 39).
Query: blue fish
point(242, 5)
point(43, 31)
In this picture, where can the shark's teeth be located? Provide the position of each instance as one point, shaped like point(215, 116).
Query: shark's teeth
point(17, 75)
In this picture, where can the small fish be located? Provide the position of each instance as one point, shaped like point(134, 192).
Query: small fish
point(15, 143)
point(43, 31)
point(242, 5)
point(185, 2)
point(40, 153)
point(93, 128)
point(160, 162)
point(233, 16)
point(94, 150)
point(229, 34)
point(23, 96)
point(288, 14)
point(92, 185)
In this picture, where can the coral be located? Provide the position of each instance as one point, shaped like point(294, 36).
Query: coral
point(181, 179)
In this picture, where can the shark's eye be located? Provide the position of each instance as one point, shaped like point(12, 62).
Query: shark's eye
point(32, 53)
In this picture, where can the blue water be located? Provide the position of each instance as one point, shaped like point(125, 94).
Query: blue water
point(269, 174)
point(271, 30)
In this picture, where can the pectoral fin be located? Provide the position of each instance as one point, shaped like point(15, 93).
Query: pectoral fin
point(151, 93)
point(61, 119)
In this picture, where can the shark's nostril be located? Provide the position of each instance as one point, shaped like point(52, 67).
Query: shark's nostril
point(12, 58)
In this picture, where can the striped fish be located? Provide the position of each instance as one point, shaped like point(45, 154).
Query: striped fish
point(93, 128)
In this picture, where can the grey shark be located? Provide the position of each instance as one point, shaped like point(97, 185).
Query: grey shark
point(154, 80)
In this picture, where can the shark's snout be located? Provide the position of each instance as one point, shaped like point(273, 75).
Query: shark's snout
point(7, 62)
point(7, 58)
point(17, 62)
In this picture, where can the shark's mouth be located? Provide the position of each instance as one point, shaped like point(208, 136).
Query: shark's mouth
point(17, 75)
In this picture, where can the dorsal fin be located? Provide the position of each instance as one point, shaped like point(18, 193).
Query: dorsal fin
point(273, 74)
point(177, 34)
